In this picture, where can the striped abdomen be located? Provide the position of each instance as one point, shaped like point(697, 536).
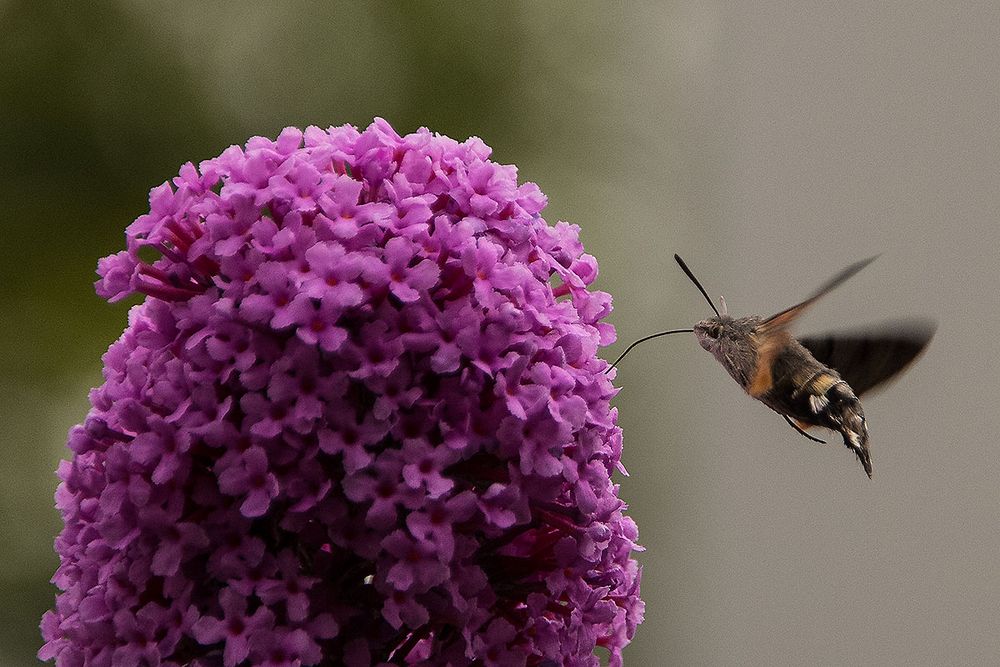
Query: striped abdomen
point(792, 382)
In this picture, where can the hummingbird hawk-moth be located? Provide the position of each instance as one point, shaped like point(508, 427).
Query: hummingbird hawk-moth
point(810, 381)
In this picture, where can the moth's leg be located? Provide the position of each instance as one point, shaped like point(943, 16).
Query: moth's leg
point(796, 427)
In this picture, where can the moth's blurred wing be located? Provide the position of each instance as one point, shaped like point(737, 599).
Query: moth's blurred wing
point(871, 357)
point(786, 317)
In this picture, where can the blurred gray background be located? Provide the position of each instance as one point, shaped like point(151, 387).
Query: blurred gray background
point(770, 144)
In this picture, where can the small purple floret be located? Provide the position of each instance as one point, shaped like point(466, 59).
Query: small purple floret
point(359, 419)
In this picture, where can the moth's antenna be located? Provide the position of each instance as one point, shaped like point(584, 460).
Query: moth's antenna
point(696, 283)
point(643, 340)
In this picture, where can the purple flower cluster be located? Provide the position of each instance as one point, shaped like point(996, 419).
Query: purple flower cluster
point(359, 420)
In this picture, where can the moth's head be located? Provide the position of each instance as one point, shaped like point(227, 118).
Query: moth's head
point(709, 332)
point(726, 336)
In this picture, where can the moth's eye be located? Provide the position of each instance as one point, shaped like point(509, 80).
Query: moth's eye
point(715, 331)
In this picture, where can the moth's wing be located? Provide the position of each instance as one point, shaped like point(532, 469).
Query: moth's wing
point(868, 358)
point(787, 316)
